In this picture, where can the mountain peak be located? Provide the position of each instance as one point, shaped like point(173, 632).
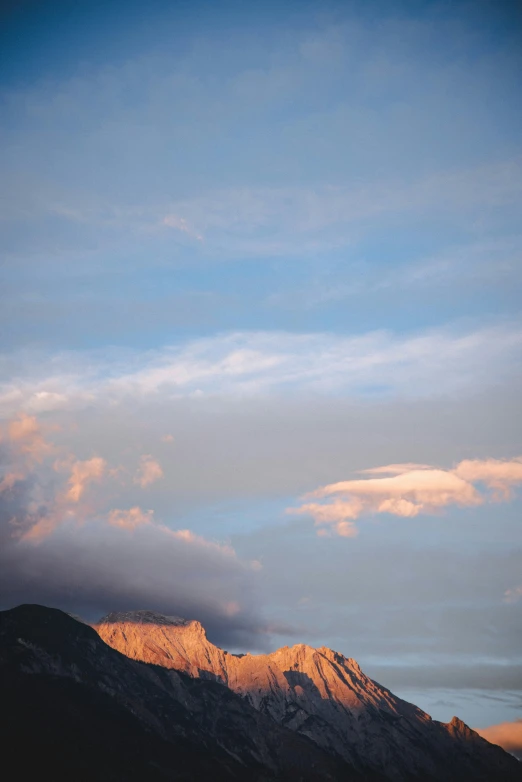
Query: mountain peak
point(460, 728)
point(317, 693)
point(170, 641)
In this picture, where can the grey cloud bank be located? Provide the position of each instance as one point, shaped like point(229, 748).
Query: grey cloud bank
point(96, 569)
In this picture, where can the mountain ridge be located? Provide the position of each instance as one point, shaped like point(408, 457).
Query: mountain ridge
point(319, 694)
point(87, 711)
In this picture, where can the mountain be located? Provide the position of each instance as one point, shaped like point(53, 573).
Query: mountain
point(74, 708)
point(322, 696)
point(175, 707)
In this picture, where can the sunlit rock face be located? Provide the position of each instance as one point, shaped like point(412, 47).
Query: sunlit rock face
point(322, 695)
point(168, 641)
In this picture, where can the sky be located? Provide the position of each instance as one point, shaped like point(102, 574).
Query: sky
point(261, 331)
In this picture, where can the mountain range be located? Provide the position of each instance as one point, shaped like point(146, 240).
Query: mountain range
point(143, 696)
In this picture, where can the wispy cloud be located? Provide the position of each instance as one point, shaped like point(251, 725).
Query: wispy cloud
point(488, 262)
point(377, 365)
point(297, 221)
point(180, 224)
point(411, 490)
point(333, 214)
point(149, 471)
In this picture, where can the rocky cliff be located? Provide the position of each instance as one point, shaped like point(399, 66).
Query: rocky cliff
point(322, 695)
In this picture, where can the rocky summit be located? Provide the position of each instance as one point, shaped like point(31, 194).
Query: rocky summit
point(321, 695)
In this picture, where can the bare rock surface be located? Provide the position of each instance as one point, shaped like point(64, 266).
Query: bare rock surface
point(322, 695)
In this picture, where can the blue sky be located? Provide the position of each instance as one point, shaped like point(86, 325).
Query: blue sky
point(268, 246)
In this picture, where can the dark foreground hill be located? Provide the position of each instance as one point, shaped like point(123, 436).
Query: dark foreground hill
point(74, 708)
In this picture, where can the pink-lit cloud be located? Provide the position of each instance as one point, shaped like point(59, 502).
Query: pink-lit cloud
point(43, 527)
point(191, 538)
point(149, 471)
point(507, 735)
point(498, 475)
point(82, 474)
point(57, 481)
point(408, 490)
point(27, 439)
point(67, 503)
point(513, 595)
point(130, 519)
point(61, 489)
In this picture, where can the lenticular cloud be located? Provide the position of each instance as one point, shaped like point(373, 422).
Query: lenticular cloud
point(409, 490)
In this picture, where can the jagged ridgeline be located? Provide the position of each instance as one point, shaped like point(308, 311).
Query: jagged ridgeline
point(144, 696)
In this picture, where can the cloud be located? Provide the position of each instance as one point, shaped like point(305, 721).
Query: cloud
point(279, 221)
point(375, 365)
point(394, 469)
point(498, 475)
point(54, 482)
point(40, 528)
point(130, 519)
point(180, 224)
point(291, 220)
point(427, 598)
point(507, 735)
point(82, 474)
point(513, 595)
point(410, 491)
point(26, 437)
point(95, 566)
point(193, 106)
point(52, 505)
point(9, 479)
point(198, 540)
point(149, 471)
point(98, 567)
